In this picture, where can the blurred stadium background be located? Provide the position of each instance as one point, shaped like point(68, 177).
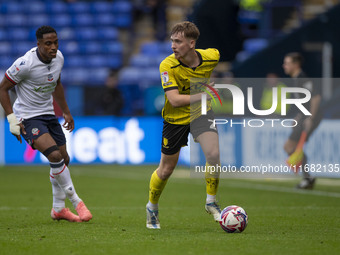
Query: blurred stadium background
point(112, 51)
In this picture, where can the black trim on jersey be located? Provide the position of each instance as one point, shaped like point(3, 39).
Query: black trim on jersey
point(40, 58)
point(193, 68)
point(170, 88)
point(176, 66)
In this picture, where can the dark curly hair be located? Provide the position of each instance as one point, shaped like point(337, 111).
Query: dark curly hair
point(44, 30)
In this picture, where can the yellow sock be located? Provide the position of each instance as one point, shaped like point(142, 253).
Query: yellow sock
point(156, 187)
point(212, 178)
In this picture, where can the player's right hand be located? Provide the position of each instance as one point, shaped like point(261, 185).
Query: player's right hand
point(15, 126)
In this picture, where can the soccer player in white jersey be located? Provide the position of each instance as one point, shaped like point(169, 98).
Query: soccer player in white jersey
point(36, 79)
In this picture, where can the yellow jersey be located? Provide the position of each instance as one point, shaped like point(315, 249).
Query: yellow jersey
point(176, 75)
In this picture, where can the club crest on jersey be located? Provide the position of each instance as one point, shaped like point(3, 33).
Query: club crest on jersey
point(165, 77)
point(50, 77)
point(35, 131)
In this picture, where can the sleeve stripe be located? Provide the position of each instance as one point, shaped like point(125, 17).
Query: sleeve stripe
point(13, 82)
point(170, 88)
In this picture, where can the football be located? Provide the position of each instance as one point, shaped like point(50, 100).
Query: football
point(234, 219)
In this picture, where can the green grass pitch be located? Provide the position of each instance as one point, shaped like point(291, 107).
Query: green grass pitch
point(282, 220)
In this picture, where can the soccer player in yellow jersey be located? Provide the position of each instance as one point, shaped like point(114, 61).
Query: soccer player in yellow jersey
point(177, 70)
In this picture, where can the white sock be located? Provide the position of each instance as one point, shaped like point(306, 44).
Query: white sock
point(210, 199)
point(59, 195)
point(152, 206)
point(61, 174)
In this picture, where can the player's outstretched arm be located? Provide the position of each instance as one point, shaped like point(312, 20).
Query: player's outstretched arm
point(59, 97)
point(14, 125)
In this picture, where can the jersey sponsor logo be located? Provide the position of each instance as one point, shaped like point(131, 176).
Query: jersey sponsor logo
point(35, 131)
point(165, 77)
point(50, 77)
point(49, 68)
point(22, 63)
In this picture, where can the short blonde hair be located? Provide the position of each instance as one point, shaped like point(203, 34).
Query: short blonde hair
point(188, 29)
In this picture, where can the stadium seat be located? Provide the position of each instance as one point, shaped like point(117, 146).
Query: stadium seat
point(97, 76)
point(130, 75)
point(97, 60)
point(18, 20)
point(107, 34)
point(75, 61)
point(123, 21)
point(83, 20)
point(69, 48)
point(20, 48)
point(160, 58)
point(87, 33)
point(60, 20)
point(79, 7)
point(36, 20)
point(31, 35)
point(242, 56)
point(5, 63)
point(114, 61)
point(75, 76)
point(35, 8)
point(90, 47)
point(11, 8)
point(141, 60)
point(121, 7)
point(5, 48)
point(67, 34)
point(166, 48)
point(255, 45)
point(101, 7)
point(56, 7)
point(151, 48)
point(3, 35)
point(105, 19)
point(18, 34)
point(113, 47)
point(151, 75)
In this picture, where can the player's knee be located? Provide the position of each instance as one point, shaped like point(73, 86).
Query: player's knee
point(289, 148)
point(55, 156)
point(165, 171)
point(67, 160)
point(213, 157)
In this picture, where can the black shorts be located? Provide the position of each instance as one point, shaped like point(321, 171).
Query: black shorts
point(297, 130)
point(174, 137)
point(39, 125)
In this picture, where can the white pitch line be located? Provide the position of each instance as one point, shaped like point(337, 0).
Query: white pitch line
point(284, 190)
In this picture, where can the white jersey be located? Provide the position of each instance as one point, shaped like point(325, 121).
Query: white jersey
point(35, 82)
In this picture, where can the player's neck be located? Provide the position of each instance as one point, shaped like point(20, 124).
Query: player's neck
point(296, 73)
point(43, 59)
point(191, 59)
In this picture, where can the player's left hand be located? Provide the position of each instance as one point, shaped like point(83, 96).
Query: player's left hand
point(69, 122)
point(307, 124)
